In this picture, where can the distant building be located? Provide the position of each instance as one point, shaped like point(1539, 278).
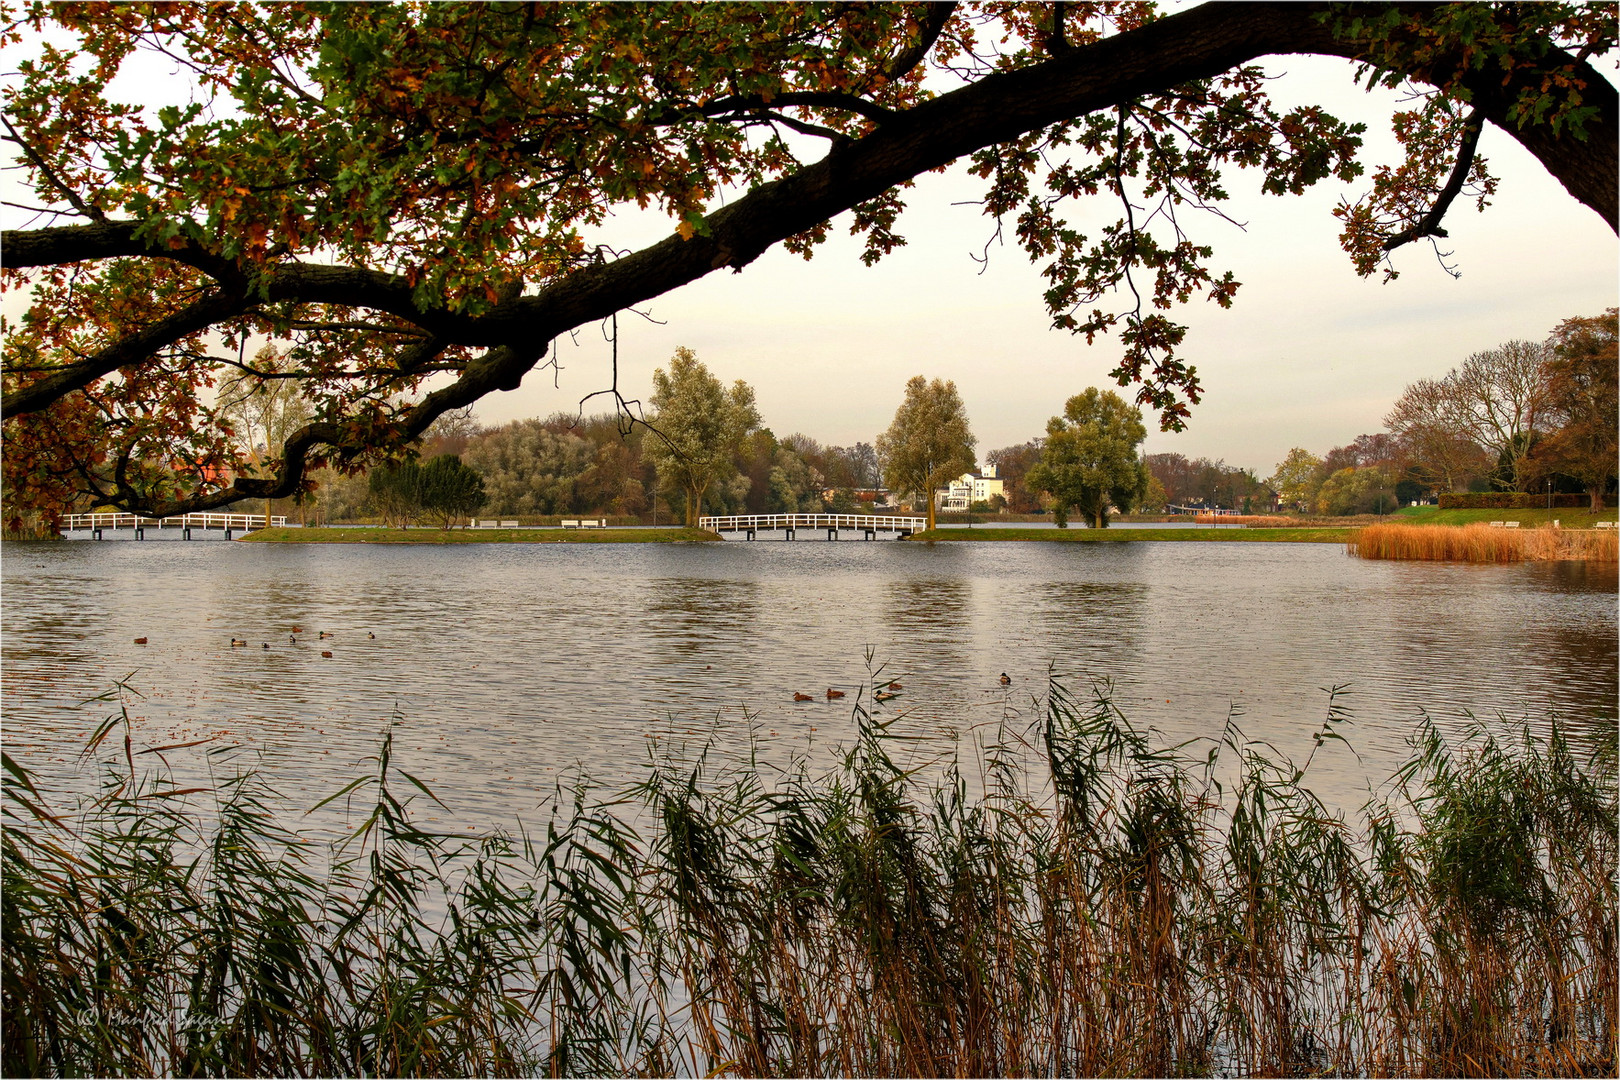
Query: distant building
point(969, 489)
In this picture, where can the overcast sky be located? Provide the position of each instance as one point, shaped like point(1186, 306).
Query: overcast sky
point(1310, 355)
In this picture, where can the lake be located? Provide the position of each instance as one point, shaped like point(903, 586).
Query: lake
point(511, 666)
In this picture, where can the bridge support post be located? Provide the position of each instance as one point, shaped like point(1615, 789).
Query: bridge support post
point(95, 534)
point(787, 533)
point(227, 532)
point(140, 533)
point(750, 533)
point(868, 534)
point(186, 533)
point(832, 534)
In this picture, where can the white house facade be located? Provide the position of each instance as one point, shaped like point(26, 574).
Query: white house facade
point(969, 489)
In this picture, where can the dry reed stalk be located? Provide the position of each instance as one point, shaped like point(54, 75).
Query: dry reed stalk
point(1482, 543)
point(1254, 521)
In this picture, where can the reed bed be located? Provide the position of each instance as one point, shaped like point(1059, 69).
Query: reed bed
point(1484, 544)
point(1254, 521)
point(1116, 907)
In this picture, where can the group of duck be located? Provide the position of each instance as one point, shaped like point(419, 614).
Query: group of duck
point(292, 639)
point(885, 694)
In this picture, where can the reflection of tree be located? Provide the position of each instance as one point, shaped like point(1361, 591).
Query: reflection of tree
point(934, 611)
point(686, 613)
point(1094, 629)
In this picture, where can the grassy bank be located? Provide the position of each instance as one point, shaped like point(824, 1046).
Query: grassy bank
point(1117, 909)
point(1567, 517)
point(1485, 544)
point(476, 536)
point(1238, 536)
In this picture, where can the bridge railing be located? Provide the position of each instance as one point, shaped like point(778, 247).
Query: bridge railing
point(769, 522)
point(245, 522)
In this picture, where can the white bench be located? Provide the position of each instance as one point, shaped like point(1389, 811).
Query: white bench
point(509, 524)
point(1512, 525)
point(486, 524)
point(1498, 524)
point(1605, 524)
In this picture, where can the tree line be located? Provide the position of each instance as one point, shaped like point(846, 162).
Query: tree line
point(1526, 416)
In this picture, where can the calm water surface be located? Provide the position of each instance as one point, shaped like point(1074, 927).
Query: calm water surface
point(512, 665)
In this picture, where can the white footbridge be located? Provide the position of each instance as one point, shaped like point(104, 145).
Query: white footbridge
point(98, 524)
point(869, 526)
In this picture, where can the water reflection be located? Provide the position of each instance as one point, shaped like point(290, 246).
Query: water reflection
point(509, 664)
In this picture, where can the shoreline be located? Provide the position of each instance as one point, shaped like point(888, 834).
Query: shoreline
point(1317, 535)
point(431, 535)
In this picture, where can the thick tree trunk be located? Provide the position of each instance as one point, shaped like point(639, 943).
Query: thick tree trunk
point(694, 505)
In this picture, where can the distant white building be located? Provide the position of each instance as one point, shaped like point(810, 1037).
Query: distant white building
point(969, 489)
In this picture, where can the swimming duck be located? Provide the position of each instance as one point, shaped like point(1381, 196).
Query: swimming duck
point(264, 644)
point(325, 634)
point(372, 636)
point(882, 696)
point(292, 639)
point(238, 643)
point(831, 693)
point(802, 697)
point(895, 686)
point(1006, 680)
point(326, 653)
point(140, 641)
point(298, 629)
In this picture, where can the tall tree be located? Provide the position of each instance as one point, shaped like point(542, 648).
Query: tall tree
point(696, 426)
point(450, 490)
point(1441, 448)
point(1295, 479)
point(1582, 399)
point(1497, 398)
point(409, 194)
point(1090, 459)
point(928, 443)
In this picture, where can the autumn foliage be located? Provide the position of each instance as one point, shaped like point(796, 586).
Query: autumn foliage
point(406, 199)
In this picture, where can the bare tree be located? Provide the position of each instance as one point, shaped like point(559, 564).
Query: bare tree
point(1495, 400)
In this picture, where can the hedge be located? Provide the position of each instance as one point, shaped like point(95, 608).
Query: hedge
point(1510, 500)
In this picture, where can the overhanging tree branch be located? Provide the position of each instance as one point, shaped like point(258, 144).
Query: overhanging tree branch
point(1184, 48)
point(1430, 224)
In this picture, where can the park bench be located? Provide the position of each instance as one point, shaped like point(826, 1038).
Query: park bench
point(567, 524)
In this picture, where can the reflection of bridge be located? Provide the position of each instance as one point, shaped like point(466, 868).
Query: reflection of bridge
point(868, 525)
point(185, 522)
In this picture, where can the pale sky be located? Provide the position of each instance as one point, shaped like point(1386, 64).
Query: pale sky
point(1309, 355)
